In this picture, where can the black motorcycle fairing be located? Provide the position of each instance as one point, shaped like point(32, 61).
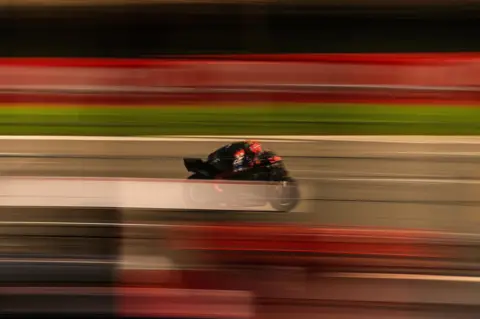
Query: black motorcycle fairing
point(200, 168)
point(262, 171)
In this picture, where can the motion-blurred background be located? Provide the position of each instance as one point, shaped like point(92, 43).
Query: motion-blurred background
point(372, 104)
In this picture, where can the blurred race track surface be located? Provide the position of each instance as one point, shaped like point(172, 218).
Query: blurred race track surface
point(388, 183)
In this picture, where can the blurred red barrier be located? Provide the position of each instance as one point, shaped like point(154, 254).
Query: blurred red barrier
point(268, 76)
point(245, 78)
point(183, 303)
point(375, 58)
point(304, 240)
point(364, 58)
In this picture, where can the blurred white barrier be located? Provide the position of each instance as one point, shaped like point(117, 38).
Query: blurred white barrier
point(123, 193)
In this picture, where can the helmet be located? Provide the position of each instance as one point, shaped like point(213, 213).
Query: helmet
point(255, 147)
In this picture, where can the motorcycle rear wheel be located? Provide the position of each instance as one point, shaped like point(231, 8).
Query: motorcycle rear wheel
point(193, 193)
point(285, 195)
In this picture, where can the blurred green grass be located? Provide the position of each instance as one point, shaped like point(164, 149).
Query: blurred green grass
point(274, 119)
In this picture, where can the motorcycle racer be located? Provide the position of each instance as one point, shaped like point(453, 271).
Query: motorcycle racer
point(242, 161)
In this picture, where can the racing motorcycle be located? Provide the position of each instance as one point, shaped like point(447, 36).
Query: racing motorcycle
point(274, 187)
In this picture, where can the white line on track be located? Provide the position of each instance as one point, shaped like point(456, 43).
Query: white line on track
point(475, 140)
point(180, 180)
point(330, 174)
point(400, 180)
point(146, 139)
point(404, 277)
point(409, 139)
point(355, 156)
point(468, 154)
